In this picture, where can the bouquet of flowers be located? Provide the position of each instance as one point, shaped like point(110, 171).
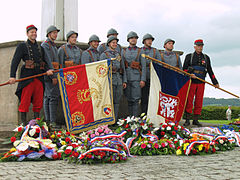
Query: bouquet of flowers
point(61, 138)
point(223, 144)
point(135, 124)
point(147, 147)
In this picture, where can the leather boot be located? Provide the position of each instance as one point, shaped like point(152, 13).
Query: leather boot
point(24, 118)
point(187, 122)
point(36, 115)
point(195, 120)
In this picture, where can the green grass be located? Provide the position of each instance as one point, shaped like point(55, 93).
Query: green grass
point(216, 121)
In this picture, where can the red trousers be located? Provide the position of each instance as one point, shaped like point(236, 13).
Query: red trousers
point(33, 92)
point(196, 90)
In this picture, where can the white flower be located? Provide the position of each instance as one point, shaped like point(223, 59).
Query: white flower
point(145, 126)
point(172, 124)
point(120, 122)
point(221, 141)
point(69, 147)
point(179, 127)
point(129, 120)
point(60, 151)
point(145, 117)
point(32, 132)
point(133, 127)
point(168, 128)
point(155, 129)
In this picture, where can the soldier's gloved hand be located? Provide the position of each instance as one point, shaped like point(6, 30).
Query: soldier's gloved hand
point(54, 81)
point(193, 76)
point(217, 85)
point(124, 85)
point(49, 72)
point(142, 84)
point(12, 80)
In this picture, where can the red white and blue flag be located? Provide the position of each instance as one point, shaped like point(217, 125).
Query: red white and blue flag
point(86, 95)
point(168, 94)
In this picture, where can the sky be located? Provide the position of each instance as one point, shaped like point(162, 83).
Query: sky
point(217, 22)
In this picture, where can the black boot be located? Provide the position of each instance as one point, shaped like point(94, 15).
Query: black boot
point(187, 122)
point(36, 115)
point(195, 120)
point(24, 118)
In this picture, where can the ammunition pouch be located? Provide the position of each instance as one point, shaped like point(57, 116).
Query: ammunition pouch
point(136, 65)
point(55, 65)
point(30, 64)
point(69, 63)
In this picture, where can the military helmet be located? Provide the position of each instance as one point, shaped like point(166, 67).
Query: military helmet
point(111, 32)
point(93, 38)
point(147, 36)
point(111, 38)
point(51, 29)
point(132, 34)
point(167, 41)
point(71, 33)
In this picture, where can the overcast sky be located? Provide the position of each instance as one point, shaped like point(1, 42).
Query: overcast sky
point(217, 22)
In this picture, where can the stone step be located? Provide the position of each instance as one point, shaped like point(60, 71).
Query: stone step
point(4, 150)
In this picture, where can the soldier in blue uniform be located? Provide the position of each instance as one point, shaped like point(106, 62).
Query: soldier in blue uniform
point(91, 54)
point(136, 73)
point(51, 93)
point(119, 79)
point(69, 54)
point(154, 53)
point(103, 47)
point(170, 57)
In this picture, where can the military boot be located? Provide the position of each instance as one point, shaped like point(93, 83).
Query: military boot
point(195, 120)
point(187, 122)
point(24, 118)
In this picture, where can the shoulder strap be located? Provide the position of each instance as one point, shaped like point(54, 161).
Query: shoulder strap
point(120, 48)
point(138, 53)
point(104, 46)
point(124, 52)
point(51, 49)
point(191, 59)
point(107, 54)
point(162, 56)
point(89, 51)
point(64, 48)
point(177, 59)
point(154, 52)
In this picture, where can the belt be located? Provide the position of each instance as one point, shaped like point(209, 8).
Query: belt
point(198, 72)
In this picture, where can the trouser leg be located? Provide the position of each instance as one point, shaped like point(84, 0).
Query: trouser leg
point(145, 96)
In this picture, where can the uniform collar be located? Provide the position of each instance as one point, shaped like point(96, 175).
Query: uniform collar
point(168, 53)
point(48, 40)
point(30, 42)
point(93, 49)
point(132, 48)
point(71, 46)
point(147, 48)
point(198, 54)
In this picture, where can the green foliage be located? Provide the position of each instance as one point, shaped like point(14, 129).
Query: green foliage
point(220, 102)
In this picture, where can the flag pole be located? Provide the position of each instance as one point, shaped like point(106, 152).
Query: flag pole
point(186, 73)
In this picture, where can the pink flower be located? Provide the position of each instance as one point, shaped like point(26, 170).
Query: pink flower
point(97, 133)
point(143, 146)
point(92, 135)
point(100, 130)
point(156, 146)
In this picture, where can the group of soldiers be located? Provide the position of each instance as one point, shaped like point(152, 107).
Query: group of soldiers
point(130, 71)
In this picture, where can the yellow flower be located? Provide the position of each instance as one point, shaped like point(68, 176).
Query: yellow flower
point(178, 152)
point(52, 136)
point(200, 147)
point(63, 143)
point(185, 146)
point(12, 150)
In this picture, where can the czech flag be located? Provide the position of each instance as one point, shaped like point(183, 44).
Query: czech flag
point(168, 94)
point(86, 95)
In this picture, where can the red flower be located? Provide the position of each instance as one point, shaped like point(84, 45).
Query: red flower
point(163, 145)
point(59, 155)
point(143, 146)
point(74, 145)
point(178, 147)
point(44, 138)
point(59, 135)
point(20, 129)
point(194, 151)
point(89, 156)
point(213, 150)
point(68, 133)
point(67, 151)
point(38, 119)
point(126, 126)
point(206, 150)
point(60, 132)
point(37, 130)
point(150, 142)
point(88, 139)
point(175, 127)
point(164, 126)
point(76, 154)
point(129, 130)
point(156, 146)
point(55, 156)
point(13, 139)
point(67, 139)
point(173, 133)
point(162, 133)
point(141, 124)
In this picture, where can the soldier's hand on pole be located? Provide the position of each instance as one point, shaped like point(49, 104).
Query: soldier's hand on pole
point(12, 80)
point(124, 85)
point(217, 86)
point(142, 84)
point(193, 76)
point(54, 81)
point(49, 72)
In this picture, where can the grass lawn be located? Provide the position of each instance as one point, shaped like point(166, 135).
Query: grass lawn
point(216, 121)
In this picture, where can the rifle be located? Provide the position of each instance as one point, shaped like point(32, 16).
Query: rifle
point(186, 73)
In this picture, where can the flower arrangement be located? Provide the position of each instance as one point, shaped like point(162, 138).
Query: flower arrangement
point(148, 147)
point(223, 144)
point(61, 138)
